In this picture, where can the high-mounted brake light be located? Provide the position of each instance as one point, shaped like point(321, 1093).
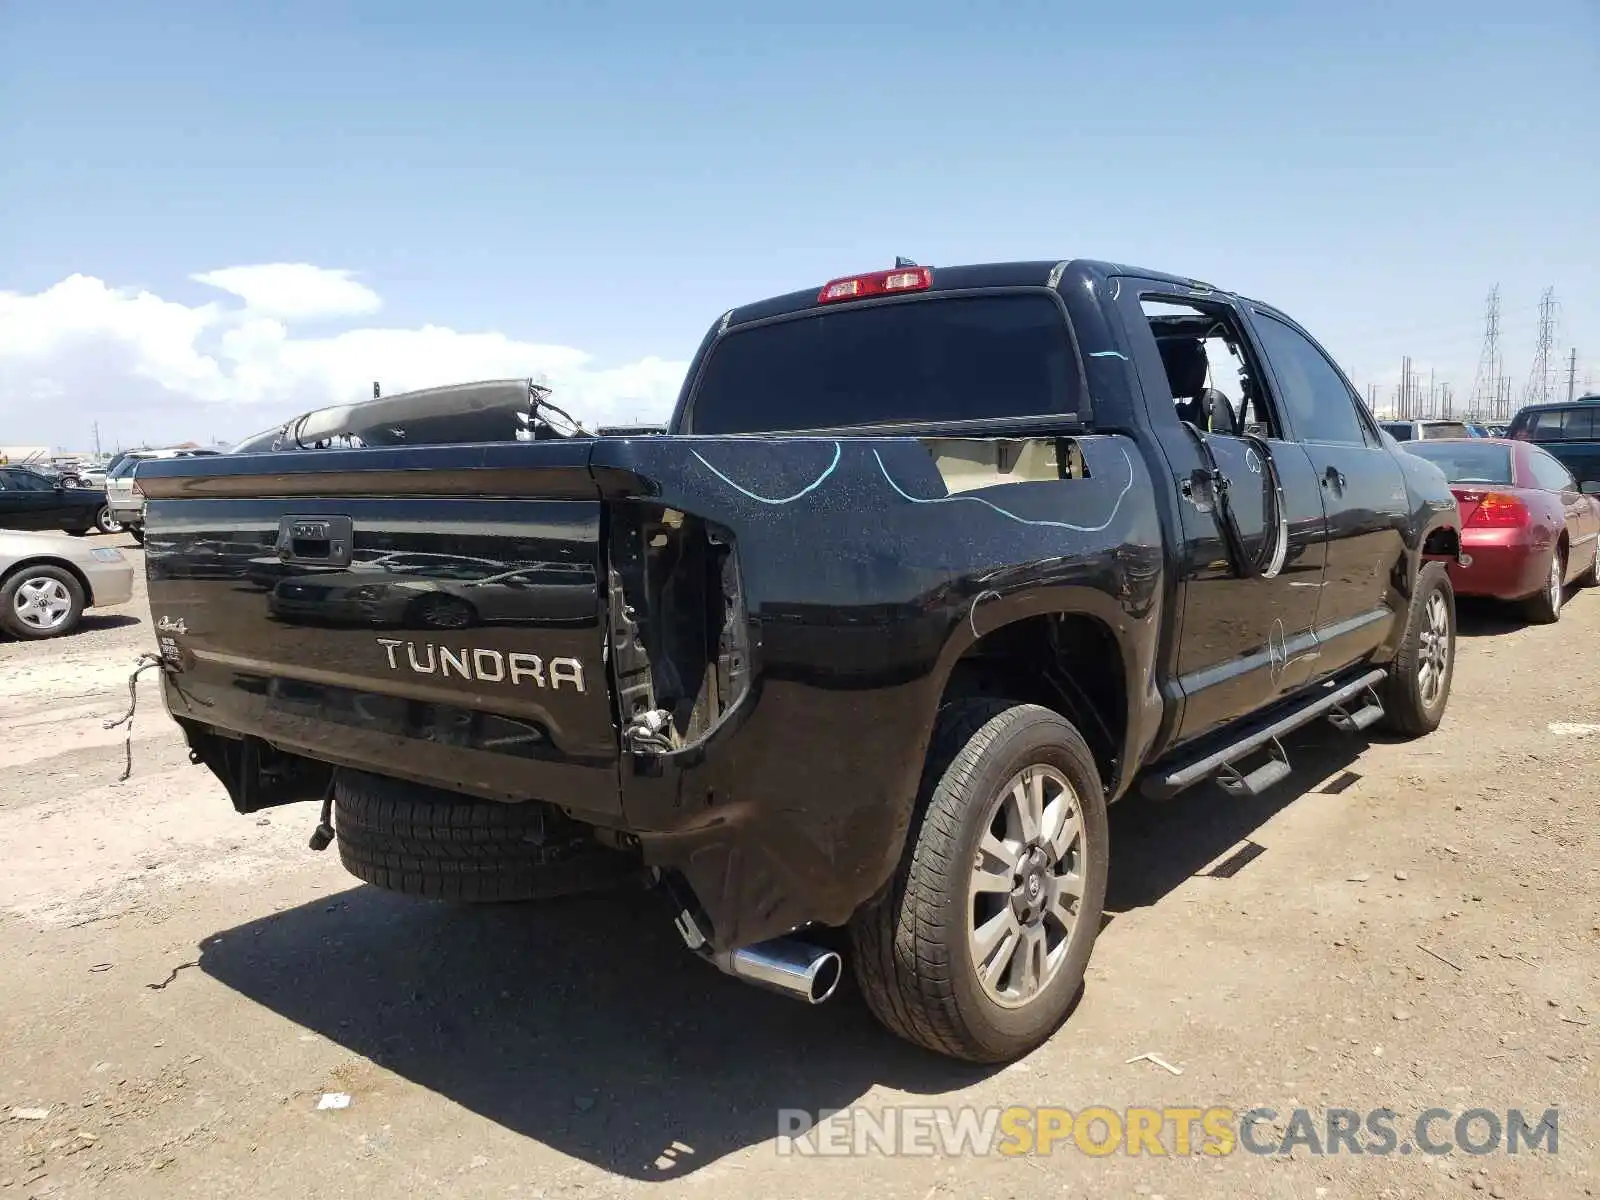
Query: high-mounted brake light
point(1496, 509)
point(879, 283)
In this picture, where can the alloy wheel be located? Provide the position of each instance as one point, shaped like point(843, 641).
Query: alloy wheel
point(1433, 662)
point(42, 603)
point(1026, 881)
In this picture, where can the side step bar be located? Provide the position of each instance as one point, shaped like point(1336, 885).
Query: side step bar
point(1351, 706)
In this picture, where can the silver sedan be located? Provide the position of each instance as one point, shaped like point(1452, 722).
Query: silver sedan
point(47, 580)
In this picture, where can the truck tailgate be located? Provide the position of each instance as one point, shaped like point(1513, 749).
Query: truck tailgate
point(373, 609)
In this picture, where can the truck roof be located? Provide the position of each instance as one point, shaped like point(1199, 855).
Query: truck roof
point(1033, 272)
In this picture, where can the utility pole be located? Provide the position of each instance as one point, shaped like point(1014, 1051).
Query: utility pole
point(97, 439)
point(1572, 371)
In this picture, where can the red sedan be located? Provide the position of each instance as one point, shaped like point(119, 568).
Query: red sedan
point(1527, 529)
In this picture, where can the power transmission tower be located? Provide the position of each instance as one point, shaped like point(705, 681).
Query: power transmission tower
point(1486, 381)
point(1538, 389)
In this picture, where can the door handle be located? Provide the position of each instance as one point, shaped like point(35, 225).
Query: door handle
point(1334, 478)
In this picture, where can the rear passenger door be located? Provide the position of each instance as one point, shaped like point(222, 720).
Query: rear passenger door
point(1364, 493)
point(1245, 642)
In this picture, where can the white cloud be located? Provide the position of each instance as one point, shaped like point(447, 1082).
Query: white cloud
point(294, 291)
point(148, 369)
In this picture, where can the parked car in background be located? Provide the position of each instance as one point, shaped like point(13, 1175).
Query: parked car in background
point(30, 500)
point(1416, 431)
point(122, 490)
point(1570, 431)
point(46, 581)
point(1478, 431)
point(1527, 528)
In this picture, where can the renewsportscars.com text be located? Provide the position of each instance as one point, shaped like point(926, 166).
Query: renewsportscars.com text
point(1161, 1131)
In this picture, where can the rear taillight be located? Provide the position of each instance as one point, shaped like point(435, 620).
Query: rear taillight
point(879, 283)
point(136, 489)
point(1495, 509)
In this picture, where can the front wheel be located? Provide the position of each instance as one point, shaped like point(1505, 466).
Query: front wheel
point(41, 602)
point(1591, 577)
point(104, 522)
point(980, 943)
point(1418, 686)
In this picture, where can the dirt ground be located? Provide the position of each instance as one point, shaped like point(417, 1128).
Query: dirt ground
point(183, 985)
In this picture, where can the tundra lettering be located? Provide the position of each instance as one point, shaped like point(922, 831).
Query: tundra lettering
point(487, 666)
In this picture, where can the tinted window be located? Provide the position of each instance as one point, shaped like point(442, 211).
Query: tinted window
point(1548, 473)
point(27, 481)
point(124, 468)
point(1548, 426)
point(1399, 430)
point(1580, 425)
point(919, 361)
point(1466, 462)
point(1320, 404)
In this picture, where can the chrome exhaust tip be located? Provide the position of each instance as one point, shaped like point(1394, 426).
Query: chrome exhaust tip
point(794, 968)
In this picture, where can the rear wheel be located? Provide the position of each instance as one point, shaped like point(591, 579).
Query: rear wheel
point(104, 522)
point(1545, 608)
point(980, 944)
point(40, 602)
point(1418, 687)
point(137, 530)
point(424, 841)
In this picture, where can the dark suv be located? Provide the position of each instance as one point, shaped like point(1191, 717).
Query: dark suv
point(1570, 431)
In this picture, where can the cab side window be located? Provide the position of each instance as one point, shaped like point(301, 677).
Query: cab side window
point(1320, 403)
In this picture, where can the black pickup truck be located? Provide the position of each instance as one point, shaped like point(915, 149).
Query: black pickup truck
point(927, 568)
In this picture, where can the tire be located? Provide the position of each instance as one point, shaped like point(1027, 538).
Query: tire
point(1412, 706)
point(40, 602)
point(423, 841)
point(1545, 608)
point(914, 947)
point(103, 521)
point(137, 532)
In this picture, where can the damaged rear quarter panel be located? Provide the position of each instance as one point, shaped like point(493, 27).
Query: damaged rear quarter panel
point(866, 577)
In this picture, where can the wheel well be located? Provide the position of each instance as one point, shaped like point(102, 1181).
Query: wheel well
point(1444, 542)
point(63, 564)
point(1064, 661)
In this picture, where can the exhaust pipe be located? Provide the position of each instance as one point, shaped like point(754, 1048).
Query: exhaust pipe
point(794, 968)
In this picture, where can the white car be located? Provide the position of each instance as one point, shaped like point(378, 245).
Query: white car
point(123, 496)
point(48, 579)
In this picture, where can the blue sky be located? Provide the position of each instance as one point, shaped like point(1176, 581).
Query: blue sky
point(608, 177)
